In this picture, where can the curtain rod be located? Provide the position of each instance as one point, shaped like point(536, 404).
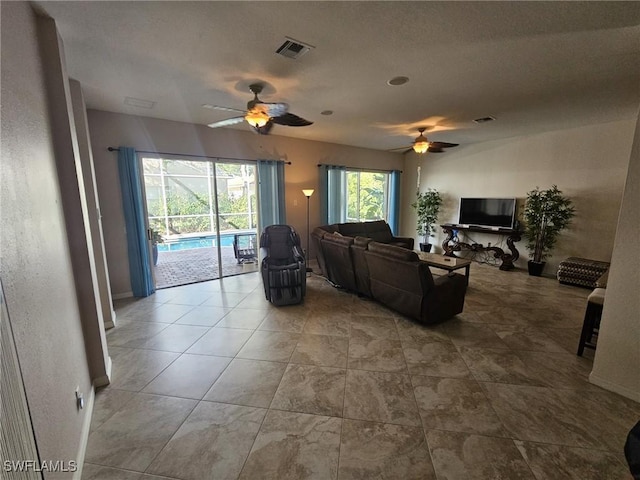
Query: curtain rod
point(359, 168)
point(113, 149)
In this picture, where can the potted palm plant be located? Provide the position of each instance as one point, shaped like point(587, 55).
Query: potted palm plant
point(546, 214)
point(427, 207)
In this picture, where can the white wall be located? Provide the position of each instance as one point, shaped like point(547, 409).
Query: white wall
point(588, 164)
point(143, 133)
point(617, 360)
point(36, 263)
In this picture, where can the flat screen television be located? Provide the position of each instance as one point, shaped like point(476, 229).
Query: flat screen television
point(488, 212)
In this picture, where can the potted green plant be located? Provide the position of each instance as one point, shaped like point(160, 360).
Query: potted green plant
point(427, 207)
point(546, 214)
point(156, 238)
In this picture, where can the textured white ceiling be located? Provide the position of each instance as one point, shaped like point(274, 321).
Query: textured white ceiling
point(534, 66)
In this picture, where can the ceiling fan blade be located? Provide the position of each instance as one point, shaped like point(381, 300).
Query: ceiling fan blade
point(275, 109)
point(440, 145)
point(227, 122)
point(400, 148)
point(264, 130)
point(291, 120)
point(226, 109)
point(434, 150)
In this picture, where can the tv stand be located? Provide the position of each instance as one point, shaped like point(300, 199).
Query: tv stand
point(450, 245)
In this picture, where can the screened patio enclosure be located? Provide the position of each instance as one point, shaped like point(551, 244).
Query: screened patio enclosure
point(203, 218)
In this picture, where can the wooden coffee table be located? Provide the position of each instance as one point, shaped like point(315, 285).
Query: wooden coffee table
point(446, 263)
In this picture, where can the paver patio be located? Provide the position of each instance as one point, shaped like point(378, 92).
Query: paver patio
point(182, 267)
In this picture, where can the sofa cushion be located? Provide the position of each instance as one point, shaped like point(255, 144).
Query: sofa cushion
point(338, 238)
point(338, 260)
point(378, 231)
point(360, 267)
point(396, 253)
point(362, 242)
point(397, 278)
point(352, 229)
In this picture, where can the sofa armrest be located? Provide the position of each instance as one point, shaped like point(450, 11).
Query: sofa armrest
point(404, 242)
point(446, 298)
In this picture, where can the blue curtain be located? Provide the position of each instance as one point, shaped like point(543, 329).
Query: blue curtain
point(333, 194)
point(130, 184)
point(394, 201)
point(271, 193)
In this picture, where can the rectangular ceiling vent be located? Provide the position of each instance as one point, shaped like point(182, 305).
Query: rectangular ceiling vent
point(484, 119)
point(138, 102)
point(293, 48)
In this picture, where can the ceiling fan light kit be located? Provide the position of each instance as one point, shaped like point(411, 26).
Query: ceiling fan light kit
point(256, 118)
point(261, 115)
point(422, 145)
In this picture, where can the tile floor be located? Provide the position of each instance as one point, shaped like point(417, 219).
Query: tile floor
point(212, 382)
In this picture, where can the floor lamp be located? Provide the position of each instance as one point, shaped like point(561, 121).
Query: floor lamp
point(307, 193)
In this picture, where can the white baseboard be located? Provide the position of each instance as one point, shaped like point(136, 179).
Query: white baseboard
point(106, 379)
point(111, 323)
point(120, 296)
point(84, 437)
point(614, 387)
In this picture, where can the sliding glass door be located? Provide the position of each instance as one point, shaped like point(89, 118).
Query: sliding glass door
point(201, 217)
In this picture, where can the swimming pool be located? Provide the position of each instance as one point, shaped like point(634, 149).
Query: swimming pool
point(207, 241)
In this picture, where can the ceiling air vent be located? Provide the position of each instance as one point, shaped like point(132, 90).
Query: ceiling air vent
point(293, 48)
point(138, 102)
point(484, 119)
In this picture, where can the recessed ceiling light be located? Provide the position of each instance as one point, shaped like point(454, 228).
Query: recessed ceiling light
point(484, 119)
point(326, 112)
point(395, 81)
point(138, 102)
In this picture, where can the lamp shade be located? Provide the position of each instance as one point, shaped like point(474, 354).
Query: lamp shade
point(308, 192)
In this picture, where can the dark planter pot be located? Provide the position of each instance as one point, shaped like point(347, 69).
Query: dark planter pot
point(535, 268)
point(425, 247)
point(154, 249)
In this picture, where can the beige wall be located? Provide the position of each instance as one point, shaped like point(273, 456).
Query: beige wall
point(588, 164)
point(110, 129)
point(618, 354)
point(93, 203)
point(36, 263)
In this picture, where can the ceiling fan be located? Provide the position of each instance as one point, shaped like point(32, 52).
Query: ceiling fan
point(423, 145)
point(260, 115)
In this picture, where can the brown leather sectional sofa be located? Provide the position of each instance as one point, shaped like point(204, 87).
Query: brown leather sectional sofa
point(389, 272)
point(378, 230)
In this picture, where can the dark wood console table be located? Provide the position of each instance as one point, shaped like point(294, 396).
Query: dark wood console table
point(450, 245)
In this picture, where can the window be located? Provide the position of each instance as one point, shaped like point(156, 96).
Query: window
point(367, 196)
point(354, 195)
